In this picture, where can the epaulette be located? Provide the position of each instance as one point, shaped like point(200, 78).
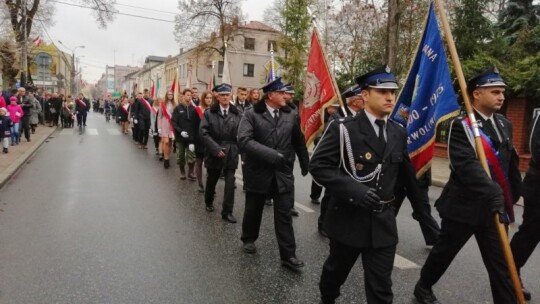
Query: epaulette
point(396, 123)
point(345, 120)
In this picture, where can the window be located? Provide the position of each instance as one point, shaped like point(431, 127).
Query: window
point(44, 62)
point(249, 69)
point(220, 69)
point(272, 43)
point(249, 43)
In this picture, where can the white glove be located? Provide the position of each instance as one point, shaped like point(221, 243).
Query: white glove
point(184, 134)
point(191, 147)
point(159, 131)
point(135, 121)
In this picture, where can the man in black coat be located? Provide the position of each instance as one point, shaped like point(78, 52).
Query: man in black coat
point(359, 160)
point(269, 134)
point(141, 117)
point(185, 121)
point(471, 197)
point(26, 104)
point(218, 131)
point(82, 106)
point(527, 238)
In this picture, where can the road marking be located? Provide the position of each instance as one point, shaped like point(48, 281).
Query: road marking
point(67, 132)
point(114, 132)
point(91, 131)
point(306, 209)
point(402, 263)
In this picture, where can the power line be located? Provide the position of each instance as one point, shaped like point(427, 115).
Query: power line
point(118, 13)
point(145, 8)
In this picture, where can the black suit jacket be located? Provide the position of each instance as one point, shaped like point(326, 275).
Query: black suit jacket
point(466, 196)
point(345, 221)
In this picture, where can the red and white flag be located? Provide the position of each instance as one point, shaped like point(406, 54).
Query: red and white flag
point(319, 91)
point(37, 41)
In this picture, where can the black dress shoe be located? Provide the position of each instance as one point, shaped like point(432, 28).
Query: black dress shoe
point(424, 295)
point(526, 293)
point(294, 212)
point(229, 218)
point(293, 264)
point(249, 248)
point(322, 232)
point(209, 208)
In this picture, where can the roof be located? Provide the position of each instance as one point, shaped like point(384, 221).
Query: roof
point(259, 26)
point(155, 59)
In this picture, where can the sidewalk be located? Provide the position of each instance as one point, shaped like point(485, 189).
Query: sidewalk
point(19, 154)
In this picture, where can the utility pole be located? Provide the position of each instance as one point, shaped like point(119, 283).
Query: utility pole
point(392, 33)
point(24, 46)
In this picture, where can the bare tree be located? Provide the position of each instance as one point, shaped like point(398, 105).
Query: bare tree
point(202, 22)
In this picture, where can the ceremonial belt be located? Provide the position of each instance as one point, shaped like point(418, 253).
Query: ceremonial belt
point(81, 103)
point(125, 109)
point(166, 114)
point(148, 106)
point(197, 109)
point(497, 173)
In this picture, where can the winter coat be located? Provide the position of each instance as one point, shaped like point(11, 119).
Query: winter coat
point(261, 140)
point(5, 126)
point(15, 112)
point(185, 118)
point(34, 111)
point(218, 133)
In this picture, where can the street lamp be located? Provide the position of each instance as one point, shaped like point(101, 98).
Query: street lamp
point(73, 69)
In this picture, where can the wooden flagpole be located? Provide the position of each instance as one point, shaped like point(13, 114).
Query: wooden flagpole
point(325, 57)
point(503, 237)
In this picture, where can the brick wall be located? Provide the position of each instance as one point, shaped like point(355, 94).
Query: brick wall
point(516, 110)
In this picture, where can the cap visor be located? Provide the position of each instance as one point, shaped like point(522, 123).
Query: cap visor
point(493, 84)
point(385, 85)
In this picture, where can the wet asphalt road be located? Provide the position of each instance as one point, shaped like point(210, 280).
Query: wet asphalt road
point(92, 219)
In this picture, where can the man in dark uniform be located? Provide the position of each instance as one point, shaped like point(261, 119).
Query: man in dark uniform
point(218, 131)
point(471, 197)
point(82, 106)
point(359, 160)
point(141, 117)
point(528, 236)
point(269, 134)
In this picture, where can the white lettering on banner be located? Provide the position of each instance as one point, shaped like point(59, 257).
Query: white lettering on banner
point(429, 52)
point(313, 119)
point(413, 116)
point(422, 131)
point(435, 96)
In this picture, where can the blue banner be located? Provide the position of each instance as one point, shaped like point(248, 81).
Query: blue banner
point(428, 96)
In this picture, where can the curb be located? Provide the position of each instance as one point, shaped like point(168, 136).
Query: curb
point(6, 175)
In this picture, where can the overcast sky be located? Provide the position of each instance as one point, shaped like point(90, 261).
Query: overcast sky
point(128, 40)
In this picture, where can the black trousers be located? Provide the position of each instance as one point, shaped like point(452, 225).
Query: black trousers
point(251, 223)
point(316, 190)
point(144, 131)
point(527, 238)
point(422, 213)
point(453, 237)
point(25, 126)
point(81, 118)
point(228, 195)
point(377, 263)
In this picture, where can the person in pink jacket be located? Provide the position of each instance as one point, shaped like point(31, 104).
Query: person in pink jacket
point(2, 102)
point(15, 113)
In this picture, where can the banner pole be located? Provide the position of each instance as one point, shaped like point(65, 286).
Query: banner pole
point(503, 237)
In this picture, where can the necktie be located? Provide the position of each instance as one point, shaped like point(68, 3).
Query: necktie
point(276, 117)
point(381, 123)
point(494, 126)
point(224, 113)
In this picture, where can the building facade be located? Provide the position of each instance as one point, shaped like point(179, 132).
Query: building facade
point(51, 69)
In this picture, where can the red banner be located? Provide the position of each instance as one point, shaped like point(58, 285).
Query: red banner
point(152, 90)
point(319, 91)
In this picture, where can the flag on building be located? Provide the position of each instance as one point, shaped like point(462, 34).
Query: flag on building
point(319, 91)
point(37, 41)
point(188, 81)
point(428, 96)
point(212, 81)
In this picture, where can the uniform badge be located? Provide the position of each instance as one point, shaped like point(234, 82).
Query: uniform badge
point(368, 156)
point(359, 166)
